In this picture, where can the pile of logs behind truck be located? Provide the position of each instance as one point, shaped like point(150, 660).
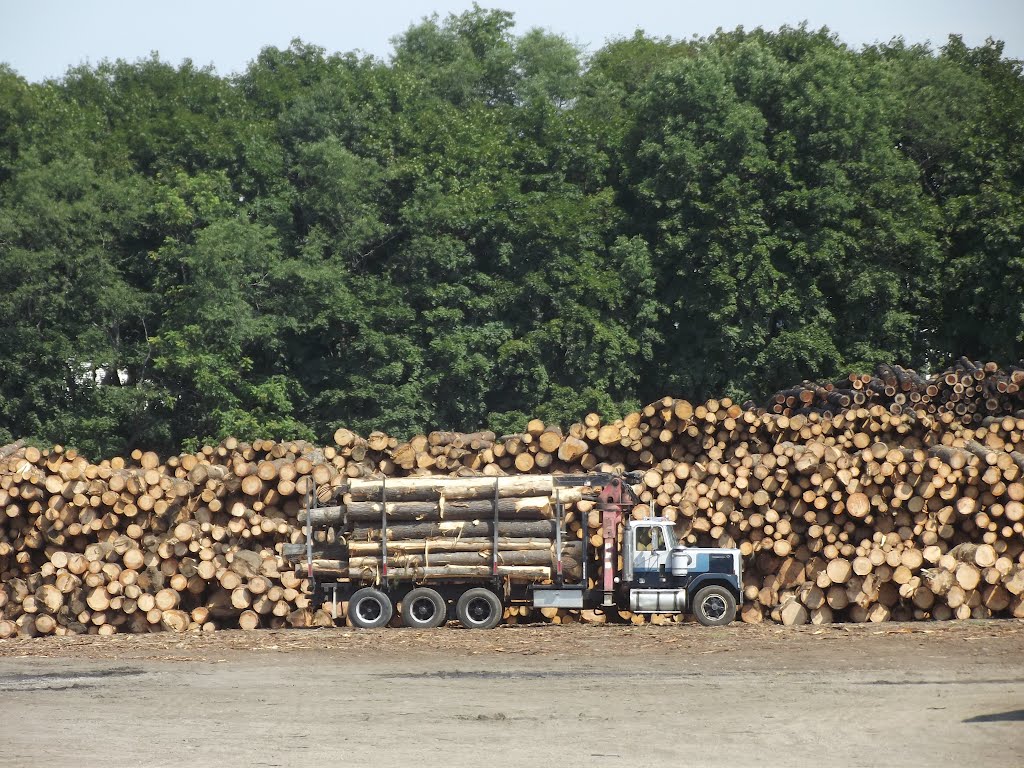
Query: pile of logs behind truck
point(467, 548)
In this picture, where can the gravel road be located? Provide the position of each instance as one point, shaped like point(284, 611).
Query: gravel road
point(682, 695)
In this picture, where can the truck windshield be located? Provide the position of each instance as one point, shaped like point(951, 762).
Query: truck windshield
point(670, 537)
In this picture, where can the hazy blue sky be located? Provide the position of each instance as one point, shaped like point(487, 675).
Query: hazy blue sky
point(42, 38)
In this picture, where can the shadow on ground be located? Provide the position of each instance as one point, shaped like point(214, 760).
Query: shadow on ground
point(1013, 716)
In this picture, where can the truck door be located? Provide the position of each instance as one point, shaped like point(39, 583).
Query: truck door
point(651, 554)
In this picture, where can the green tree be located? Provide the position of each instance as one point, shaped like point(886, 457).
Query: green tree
point(489, 226)
point(73, 350)
point(790, 235)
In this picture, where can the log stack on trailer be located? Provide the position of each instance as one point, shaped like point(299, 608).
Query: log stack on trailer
point(844, 509)
point(444, 528)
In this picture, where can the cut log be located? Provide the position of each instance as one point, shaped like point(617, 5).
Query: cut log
point(477, 544)
point(514, 572)
point(858, 505)
point(457, 529)
point(968, 576)
point(427, 488)
point(793, 613)
point(982, 555)
point(529, 508)
point(417, 560)
point(167, 599)
point(174, 620)
point(572, 449)
point(839, 570)
point(50, 598)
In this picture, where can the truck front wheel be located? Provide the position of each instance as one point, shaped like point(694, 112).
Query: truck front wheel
point(370, 608)
point(714, 606)
point(479, 609)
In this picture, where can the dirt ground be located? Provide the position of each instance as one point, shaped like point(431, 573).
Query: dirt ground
point(921, 694)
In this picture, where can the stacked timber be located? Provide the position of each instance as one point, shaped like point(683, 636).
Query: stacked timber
point(142, 546)
point(845, 509)
point(845, 518)
point(443, 528)
point(967, 392)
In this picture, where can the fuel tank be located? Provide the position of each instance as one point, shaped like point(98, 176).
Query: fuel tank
point(657, 600)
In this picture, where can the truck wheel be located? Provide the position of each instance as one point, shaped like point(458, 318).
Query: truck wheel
point(370, 608)
point(714, 606)
point(479, 609)
point(424, 608)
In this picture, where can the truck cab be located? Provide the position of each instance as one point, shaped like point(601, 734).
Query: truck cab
point(660, 576)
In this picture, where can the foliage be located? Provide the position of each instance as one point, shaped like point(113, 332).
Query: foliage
point(491, 226)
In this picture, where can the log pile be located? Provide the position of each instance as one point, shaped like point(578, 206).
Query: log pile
point(967, 392)
point(147, 546)
point(905, 504)
point(848, 518)
point(444, 529)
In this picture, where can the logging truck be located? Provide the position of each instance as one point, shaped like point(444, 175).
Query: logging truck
point(466, 549)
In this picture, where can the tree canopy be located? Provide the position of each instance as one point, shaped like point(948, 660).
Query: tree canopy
point(490, 225)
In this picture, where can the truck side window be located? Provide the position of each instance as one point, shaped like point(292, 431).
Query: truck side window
point(644, 540)
point(649, 539)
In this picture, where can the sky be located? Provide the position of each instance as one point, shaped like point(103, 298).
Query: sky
point(41, 38)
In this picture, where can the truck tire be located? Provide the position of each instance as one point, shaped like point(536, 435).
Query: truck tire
point(714, 606)
point(479, 609)
point(370, 608)
point(424, 608)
